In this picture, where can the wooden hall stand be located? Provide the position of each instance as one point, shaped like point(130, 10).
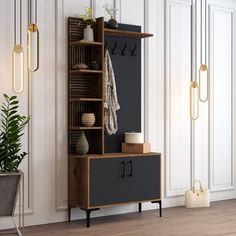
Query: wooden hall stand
point(103, 178)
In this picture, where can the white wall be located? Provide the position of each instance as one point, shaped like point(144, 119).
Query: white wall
point(202, 149)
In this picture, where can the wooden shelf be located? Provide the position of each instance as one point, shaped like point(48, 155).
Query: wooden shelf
point(85, 128)
point(75, 71)
point(86, 99)
point(86, 43)
point(127, 33)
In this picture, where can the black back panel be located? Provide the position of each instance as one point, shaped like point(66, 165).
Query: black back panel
point(127, 69)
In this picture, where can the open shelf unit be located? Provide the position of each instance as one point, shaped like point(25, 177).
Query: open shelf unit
point(85, 86)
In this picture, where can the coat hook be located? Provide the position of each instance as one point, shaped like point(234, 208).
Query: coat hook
point(124, 50)
point(114, 51)
point(133, 52)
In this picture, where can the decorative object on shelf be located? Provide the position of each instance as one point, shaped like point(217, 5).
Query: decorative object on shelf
point(194, 100)
point(94, 65)
point(88, 33)
point(88, 119)
point(82, 145)
point(88, 20)
point(18, 52)
point(80, 66)
point(203, 71)
point(138, 148)
point(11, 178)
point(111, 104)
point(112, 23)
point(32, 37)
point(197, 197)
point(134, 137)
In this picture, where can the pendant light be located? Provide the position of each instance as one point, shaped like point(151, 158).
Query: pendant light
point(18, 53)
point(203, 70)
point(33, 33)
point(194, 100)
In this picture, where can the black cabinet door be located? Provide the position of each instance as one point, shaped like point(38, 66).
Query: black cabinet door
point(143, 178)
point(107, 181)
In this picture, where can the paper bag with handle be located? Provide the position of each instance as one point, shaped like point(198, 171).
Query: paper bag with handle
point(197, 197)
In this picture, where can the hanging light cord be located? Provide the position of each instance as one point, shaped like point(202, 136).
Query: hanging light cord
point(15, 23)
point(205, 31)
point(30, 18)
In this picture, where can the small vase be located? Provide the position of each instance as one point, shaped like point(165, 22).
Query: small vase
point(82, 145)
point(88, 119)
point(94, 65)
point(88, 33)
point(112, 23)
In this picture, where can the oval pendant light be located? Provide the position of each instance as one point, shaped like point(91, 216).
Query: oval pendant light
point(194, 100)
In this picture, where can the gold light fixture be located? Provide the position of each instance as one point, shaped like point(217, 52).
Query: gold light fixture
point(203, 70)
point(194, 100)
point(17, 54)
point(33, 33)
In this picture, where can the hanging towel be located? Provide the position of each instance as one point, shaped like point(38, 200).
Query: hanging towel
point(111, 104)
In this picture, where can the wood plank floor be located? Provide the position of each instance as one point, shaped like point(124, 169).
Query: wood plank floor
point(219, 220)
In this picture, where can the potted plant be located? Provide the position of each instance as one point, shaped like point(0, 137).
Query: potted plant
point(11, 130)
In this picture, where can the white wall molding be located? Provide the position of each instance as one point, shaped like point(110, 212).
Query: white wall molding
point(178, 74)
point(222, 92)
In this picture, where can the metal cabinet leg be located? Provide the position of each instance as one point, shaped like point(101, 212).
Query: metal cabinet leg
point(160, 206)
point(88, 212)
point(88, 218)
point(69, 213)
point(140, 207)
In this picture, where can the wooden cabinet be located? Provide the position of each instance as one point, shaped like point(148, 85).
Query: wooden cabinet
point(110, 179)
point(103, 179)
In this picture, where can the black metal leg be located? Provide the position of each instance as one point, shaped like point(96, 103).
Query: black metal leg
point(140, 207)
point(88, 211)
point(160, 206)
point(69, 213)
point(88, 218)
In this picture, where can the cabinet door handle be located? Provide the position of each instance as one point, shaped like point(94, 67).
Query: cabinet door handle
point(131, 168)
point(123, 169)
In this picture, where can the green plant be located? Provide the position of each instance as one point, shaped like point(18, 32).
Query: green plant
point(11, 129)
point(88, 17)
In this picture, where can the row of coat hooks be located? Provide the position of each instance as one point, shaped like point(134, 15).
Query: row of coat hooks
point(123, 49)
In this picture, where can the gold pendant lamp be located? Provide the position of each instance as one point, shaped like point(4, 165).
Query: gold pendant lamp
point(203, 70)
point(32, 37)
point(18, 53)
point(194, 100)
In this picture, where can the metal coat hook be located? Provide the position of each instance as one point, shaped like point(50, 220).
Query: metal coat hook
point(133, 51)
point(124, 50)
point(114, 49)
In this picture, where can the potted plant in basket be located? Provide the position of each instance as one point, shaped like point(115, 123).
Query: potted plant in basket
point(11, 130)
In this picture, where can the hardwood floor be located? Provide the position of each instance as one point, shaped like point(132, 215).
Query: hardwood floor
point(219, 220)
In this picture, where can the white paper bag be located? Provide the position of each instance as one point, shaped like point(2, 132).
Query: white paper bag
point(197, 197)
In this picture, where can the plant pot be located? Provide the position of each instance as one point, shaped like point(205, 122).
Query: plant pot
point(88, 33)
point(88, 119)
point(112, 23)
point(9, 188)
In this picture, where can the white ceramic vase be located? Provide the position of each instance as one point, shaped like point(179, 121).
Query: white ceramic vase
point(88, 33)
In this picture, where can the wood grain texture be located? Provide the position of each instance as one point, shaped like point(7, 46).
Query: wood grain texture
point(218, 220)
